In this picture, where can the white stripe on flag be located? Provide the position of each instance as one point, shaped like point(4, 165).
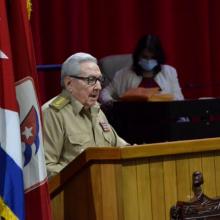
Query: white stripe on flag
point(3, 55)
point(10, 135)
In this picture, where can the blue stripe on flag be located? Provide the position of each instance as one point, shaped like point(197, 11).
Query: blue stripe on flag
point(11, 184)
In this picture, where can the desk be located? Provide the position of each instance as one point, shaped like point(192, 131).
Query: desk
point(150, 122)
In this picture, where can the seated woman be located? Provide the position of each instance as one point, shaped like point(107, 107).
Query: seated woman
point(148, 70)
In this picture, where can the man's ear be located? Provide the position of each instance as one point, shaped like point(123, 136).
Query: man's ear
point(67, 82)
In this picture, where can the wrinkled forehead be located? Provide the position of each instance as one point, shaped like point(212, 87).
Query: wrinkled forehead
point(89, 68)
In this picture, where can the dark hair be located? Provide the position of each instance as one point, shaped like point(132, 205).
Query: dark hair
point(153, 44)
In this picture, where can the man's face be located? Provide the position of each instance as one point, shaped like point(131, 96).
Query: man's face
point(85, 90)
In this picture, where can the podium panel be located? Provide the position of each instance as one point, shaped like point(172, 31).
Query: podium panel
point(137, 182)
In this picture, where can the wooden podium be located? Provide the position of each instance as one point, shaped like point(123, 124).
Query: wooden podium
point(134, 183)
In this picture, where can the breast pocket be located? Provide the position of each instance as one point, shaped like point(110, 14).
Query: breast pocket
point(78, 142)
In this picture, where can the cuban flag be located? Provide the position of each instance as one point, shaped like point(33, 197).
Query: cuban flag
point(11, 160)
point(23, 179)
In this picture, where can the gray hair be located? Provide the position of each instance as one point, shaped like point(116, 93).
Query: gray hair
point(71, 66)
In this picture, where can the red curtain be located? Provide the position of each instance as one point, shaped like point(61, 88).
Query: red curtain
point(189, 31)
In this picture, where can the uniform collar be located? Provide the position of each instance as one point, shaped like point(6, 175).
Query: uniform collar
point(78, 106)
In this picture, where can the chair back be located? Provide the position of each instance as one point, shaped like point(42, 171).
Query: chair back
point(109, 65)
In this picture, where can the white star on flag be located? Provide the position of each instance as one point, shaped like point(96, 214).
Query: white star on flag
point(3, 55)
point(27, 132)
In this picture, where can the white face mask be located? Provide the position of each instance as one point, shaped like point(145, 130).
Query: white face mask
point(147, 65)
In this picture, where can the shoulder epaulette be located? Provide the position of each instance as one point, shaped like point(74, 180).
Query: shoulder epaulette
point(59, 102)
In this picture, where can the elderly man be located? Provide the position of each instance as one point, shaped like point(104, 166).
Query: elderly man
point(74, 121)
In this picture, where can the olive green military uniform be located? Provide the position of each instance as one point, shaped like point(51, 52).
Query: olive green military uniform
point(69, 128)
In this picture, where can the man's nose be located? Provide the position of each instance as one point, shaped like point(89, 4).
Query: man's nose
point(98, 85)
